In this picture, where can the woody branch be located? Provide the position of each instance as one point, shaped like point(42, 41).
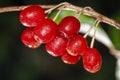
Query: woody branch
point(87, 11)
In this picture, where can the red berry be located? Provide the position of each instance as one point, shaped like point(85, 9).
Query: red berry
point(27, 38)
point(68, 59)
point(57, 46)
point(76, 45)
point(45, 31)
point(92, 60)
point(69, 26)
point(32, 16)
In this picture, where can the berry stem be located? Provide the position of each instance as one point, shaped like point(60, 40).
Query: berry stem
point(81, 11)
point(86, 34)
point(93, 38)
point(56, 6)
point(61, 8)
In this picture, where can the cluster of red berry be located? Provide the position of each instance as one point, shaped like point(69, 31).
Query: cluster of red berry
point(60, 40)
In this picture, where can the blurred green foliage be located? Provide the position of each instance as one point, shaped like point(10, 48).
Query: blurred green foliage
point(114, 33)
point(18, 62)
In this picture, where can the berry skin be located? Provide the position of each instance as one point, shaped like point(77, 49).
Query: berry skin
point(32, 16)
point(68, 59)
point(69, 26)
point(57, 46)
point(92, 60)
point(76, 45)
point(27, 37)
point(45, 31)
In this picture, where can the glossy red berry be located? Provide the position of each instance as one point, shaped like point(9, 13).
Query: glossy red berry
point(69, 26)
point(76, 45)
point(92, 60)
point(57, 46)
point(32, 16)
point(68, 59)
point(27, 37)
point(45, 31)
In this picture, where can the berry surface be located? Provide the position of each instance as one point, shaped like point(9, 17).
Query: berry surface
point(69, 26)
point(57, 46)
point(92, 60)
point(32, 16)
point(45, 31)
point(68, 59)
point(27, 37)
point(76, 45)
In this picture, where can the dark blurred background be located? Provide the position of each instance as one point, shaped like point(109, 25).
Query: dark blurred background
point(18, 62)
